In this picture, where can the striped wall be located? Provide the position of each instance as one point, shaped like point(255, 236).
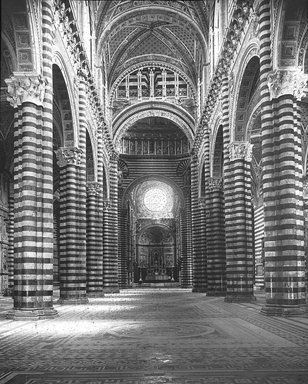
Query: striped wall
point(140, 167)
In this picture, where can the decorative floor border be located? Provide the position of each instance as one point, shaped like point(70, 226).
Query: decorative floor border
point(296, 376)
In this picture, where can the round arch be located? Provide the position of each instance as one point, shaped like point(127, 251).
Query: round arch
point(217, 153)
point(245, 87)
point(141, 64)
point(124, 121)
point(59, 63)
point(160, 178)
point(156, 225)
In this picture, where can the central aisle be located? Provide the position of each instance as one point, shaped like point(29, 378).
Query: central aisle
point(149, 336)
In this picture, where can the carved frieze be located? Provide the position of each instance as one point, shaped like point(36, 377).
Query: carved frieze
point(26, 88)
point(284, 82)
point(240, 150)
point(67, 156)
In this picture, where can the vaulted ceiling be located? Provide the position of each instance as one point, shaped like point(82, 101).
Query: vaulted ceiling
point(130, 32)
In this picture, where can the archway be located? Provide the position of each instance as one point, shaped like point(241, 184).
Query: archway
point(63, 136)
point(152, 231)
point(156, 257)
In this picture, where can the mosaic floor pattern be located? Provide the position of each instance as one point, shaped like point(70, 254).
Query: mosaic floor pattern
point(154, 336)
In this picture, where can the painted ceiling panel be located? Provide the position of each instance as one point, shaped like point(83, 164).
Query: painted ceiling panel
point(152, 45)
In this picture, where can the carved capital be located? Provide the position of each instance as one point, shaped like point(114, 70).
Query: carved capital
point(68, 156)
point(106, 203)
point(240, 150)
point(287, 82)
point(94, 189)
point(305, 186)
point(214, 183)
point(114, 156)
point(201, 202)
point(83, 73)
point(26, 87)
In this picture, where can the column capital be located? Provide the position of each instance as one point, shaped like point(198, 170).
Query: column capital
point(214, 183)
point(305, 186)
point(284, 82)
point(240, 150)
point(71, 155)
point(201, 202)
point(94, 189)
point(26, 87)
point(106, 203)
point(114, 156)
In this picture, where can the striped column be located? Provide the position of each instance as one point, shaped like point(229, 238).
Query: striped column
point(215, 237)
point(306, 227)
point(283, 196)
point(187, 264)
point(72, 263)
point(238, 223)
point(123, 251)
point(198, 252)
point(10, 261)
point(100, 199)
point(111, 240)
point(94, 244)
point(33, 197)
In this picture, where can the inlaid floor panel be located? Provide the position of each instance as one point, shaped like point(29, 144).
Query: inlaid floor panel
point(154, 336)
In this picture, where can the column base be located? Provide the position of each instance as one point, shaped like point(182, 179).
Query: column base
point(283, 310)
point(73, 301)
point(111, 289)
point(32, 314)
point(236, 298)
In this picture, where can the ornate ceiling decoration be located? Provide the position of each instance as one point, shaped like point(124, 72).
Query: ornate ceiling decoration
point(173, 31)
point(167, 39)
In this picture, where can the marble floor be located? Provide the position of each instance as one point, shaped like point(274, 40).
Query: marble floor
point(154, 336)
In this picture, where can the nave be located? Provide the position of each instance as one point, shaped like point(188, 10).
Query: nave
point(154, 336)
